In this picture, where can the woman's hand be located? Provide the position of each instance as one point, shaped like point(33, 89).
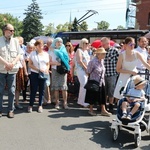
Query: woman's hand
point(133, 73)
point(57, 63)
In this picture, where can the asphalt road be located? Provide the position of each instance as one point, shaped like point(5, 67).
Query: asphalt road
point(71, 129)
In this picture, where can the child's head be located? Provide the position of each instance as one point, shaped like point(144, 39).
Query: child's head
point(139, 82)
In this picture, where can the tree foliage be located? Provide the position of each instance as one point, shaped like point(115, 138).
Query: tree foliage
point(120, 27)
point(62, 27)
point(8, 18)
point(103, 25)
point(32, 25)
point(49, 29)
point(83, 26)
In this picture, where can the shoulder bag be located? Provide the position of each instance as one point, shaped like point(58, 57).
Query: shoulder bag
point(62, 68)
point(92, 85)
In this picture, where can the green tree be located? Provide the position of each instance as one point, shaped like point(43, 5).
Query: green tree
point(49, 29)
point(83, 26)
point(32, 25)
point(62, 27)
point(75, 25)
point(103, 25)
point(120, 27)
point(8, 18)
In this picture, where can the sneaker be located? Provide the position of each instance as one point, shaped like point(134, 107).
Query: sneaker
point(40, 110)
point(129, 117)
point(92, 113)
point(29, 109)
point(57, 106)
point(10, 114)
point(124, 116)
point(66, 106)
point(18, 106)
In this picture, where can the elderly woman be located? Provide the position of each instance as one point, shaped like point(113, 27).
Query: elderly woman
point(96, 71)
point(82, 60)
point(30, 47)
point(59, 81)
point(38, 62)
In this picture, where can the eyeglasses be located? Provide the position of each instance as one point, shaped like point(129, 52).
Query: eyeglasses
point(131, 44)
point(11, 30)
point(86, 43)
point(67, 45)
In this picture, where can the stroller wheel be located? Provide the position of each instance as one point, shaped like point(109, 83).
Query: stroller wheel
point(114, 134)
point(137, 140)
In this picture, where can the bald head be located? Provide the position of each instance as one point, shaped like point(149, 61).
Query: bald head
point(8, 30)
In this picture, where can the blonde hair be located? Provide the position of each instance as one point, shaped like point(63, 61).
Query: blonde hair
point(84, 40)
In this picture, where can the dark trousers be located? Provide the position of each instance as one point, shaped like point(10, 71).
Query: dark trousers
point(36, 83)
point(25, 88)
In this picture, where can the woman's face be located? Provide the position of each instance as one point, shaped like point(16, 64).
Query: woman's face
point(30, 49)
point(101, 56)
point(68, 46)
point(58, 44)
point(85, 45)
point(130, 45)
point(40, 46)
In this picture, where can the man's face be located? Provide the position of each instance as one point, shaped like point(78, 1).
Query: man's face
point(143, 42)
point(106, 44)
point(9, 32)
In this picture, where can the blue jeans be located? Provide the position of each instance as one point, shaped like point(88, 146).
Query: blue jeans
point(10, 80)
point(36, 83)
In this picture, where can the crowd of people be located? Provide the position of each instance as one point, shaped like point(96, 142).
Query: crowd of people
point(34, 67)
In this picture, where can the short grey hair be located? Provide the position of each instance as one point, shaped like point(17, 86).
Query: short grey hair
point(30, 44)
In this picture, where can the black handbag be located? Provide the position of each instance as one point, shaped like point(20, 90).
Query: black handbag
point(62, 69)
point(92, 85)
point(73, 86)
point(43, 76)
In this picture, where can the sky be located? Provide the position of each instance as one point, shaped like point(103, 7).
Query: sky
point(59, 11)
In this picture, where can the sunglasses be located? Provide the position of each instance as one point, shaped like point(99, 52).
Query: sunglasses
point(131, 44)
point(67, 45)
point(11, 30)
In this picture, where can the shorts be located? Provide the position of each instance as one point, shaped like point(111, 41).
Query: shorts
point(110, 84)
point(133, 103)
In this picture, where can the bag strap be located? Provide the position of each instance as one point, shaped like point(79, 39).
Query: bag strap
point(38, 59)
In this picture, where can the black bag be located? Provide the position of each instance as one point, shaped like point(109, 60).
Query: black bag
point(43, 76)
point(62, 69)
point(92, 85)
point(73, 87)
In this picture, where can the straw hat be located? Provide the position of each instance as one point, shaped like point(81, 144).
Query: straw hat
point(139, 81)
point(100, 50)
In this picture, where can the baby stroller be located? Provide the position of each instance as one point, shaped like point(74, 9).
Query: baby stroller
point(138, 123)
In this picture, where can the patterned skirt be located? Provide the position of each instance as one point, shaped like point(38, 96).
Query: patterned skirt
point(59, 81)
point(20, 80)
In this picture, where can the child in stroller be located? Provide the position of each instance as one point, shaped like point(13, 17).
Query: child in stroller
point(134, 120)
point(134, 98)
